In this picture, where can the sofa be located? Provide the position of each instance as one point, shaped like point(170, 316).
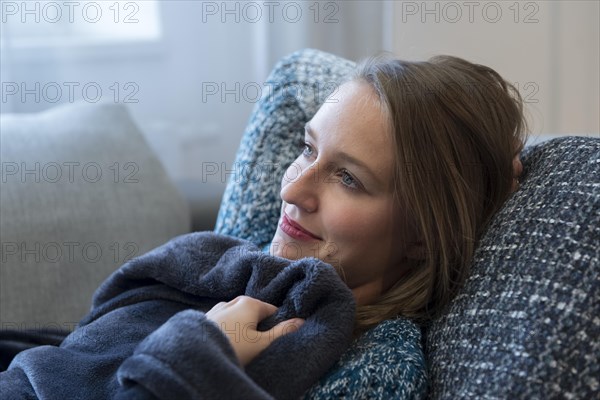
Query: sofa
point(82, 192)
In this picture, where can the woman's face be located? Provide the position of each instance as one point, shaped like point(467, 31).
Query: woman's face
point(337, 197)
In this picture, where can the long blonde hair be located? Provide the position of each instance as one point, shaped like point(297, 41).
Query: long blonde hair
point(456, 128)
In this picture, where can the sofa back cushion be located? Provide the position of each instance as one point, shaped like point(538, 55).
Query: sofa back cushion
point(526, 324)
point(82, 192)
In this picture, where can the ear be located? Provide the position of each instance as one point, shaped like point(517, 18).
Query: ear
point(416, 251)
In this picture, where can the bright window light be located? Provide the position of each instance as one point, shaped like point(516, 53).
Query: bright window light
point(46, 23)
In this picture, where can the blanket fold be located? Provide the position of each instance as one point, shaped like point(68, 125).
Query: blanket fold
point(147, 335)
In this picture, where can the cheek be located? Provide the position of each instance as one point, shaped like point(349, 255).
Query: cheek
point(367, 237)
point(368, 222)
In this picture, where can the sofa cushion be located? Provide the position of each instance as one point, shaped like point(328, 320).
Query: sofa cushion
point(526, 324)
point(81, 193)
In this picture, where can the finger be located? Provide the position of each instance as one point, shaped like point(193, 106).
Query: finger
point(283, 328)
point(237, 299)
point(517, 166)
point(264, 310)
point(216, 308)
point(219, 305)
point(259, 309)
point(514, 186)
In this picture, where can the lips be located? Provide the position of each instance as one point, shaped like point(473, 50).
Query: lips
point(295, 230)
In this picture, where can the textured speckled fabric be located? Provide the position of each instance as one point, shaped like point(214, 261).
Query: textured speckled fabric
point(527, 323)
point(386, 362)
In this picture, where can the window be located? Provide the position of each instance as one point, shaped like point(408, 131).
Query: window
point(64, 23)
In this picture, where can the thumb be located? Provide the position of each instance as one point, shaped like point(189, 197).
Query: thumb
point(284, 327)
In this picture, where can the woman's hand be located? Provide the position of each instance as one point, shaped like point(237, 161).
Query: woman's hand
point(517, 171)
point(238, 320)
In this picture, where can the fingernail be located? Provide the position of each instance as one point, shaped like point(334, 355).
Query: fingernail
point(298, 322)
point(293, 325)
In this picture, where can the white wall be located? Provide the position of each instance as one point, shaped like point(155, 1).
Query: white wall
point(550, 49)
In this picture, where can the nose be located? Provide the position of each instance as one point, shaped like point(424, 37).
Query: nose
point(300, 186)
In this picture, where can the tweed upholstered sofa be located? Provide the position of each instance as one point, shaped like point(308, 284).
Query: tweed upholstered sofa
point(524, 326)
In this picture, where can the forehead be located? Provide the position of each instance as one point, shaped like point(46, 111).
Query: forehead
point(353, 120)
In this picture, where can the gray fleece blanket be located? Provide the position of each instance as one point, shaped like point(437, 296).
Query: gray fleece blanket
point(147, 335)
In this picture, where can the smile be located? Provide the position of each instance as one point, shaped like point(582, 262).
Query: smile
point(295, 230)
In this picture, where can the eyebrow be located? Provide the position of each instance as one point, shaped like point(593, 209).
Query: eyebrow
point(346, 157)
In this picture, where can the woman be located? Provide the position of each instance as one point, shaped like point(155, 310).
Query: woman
point(400, 171)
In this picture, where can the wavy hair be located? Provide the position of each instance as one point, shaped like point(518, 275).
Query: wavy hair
point(456, 129)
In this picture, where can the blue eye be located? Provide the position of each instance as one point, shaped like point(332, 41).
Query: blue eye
point(307, 151)
point(348, 180)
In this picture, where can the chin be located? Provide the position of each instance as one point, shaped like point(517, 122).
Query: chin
point(286, 247)
point(278, 245)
